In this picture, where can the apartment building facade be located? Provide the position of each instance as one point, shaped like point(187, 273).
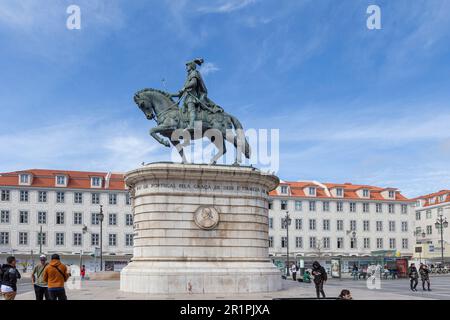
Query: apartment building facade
point(52, 211)
point(428, 209)
point(352, 222)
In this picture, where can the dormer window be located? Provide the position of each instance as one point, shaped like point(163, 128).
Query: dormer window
point(284, 189)
point(96, 182)
point(442, 198)
point(312, 191)
point(339, 192)
point(432, 200)
point(366, 193)
point(391, 194)
point(61, 180)
point(25, 178)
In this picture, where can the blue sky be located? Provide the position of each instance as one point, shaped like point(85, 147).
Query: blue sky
point(352, 104)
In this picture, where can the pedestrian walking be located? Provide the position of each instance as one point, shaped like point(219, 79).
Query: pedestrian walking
point(320, 277)
point(424, 276)
point(294, 272)
point(9, 276)
point(355, 272)
point(37, 279)
point(55, 274)
point(345, 295)
point(83, 272)
point(413, 277)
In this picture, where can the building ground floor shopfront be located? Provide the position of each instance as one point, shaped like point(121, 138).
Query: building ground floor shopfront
point(343, 265)
point(26, 262)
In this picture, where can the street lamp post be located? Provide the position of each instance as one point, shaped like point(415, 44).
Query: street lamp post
point(287, 223)
point(440, 224)
point(101, 216)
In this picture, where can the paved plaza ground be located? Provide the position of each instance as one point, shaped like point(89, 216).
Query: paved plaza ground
point(390, 290)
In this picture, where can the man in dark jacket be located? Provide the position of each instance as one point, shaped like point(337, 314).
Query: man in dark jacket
point(320, 276)
point(413, 277)
point(424, 276)
point(9, 276)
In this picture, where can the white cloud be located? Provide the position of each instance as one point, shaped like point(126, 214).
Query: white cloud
point(208, 68)
point(227, 6)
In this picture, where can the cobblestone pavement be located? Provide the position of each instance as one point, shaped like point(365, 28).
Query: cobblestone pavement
point(390, 290)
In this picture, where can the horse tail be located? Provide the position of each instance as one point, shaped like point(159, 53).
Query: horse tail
point(238, 126)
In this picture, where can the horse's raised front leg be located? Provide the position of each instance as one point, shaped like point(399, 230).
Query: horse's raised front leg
point(179, 146)
point(154, 133)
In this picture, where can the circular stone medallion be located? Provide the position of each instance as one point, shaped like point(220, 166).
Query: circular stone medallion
point(206, 217)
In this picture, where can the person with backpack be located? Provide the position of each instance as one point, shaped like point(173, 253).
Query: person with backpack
point(37, 279)
point(413, 277)
point(55, 274)
point(424, 276)
point(320, 276)
point(9, 276)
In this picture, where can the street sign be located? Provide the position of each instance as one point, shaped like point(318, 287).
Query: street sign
point(97, 252)
point(419, 250)
point(431, 248)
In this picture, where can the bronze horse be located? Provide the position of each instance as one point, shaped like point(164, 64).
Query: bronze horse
point(172, 123)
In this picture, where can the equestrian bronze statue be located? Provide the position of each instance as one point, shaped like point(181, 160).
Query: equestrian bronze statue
point(197, 112)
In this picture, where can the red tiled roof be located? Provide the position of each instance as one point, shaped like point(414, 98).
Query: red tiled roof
point(349, 191)
point(77, 179)
point(435, 195)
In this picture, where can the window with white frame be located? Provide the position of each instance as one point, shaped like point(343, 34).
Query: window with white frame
point(429, 230)
point(326, 224)
point(379, 243)
point(340, 243)
point(78, 197)
point(42, 217)
point(95, 239)
point(298, 224)
point(95, 198)
point(404, 209)
point(353, 225)
point(326, 206)
point(312, 242)
point(366, 193)
point(339, 192)
point(366, 207)
point(392, 243)
point(24, 179)
point(283, 205)
point(392, 226)
point(271, 242)
point(112, 198)
point(283, 242)
point(379, 207)
point(77, 239)
point(428, 214)
point(298, 242)
point(77, 218)
point(312, 191)
point(129, 240)
point(312, 206)
point(298, 205)
point(129, 220)
point(418, 215)
point(4, 238)
point(112, 219)
point(42, 196)
point(270, 205)
point(60, 218)
point(326, 243)
point(404, 243)
point(127, 199)
point(59, 238)
point(391, 194)
point(366, 225)
point(283, 224)
point(270, 223)
point(340, 225)
point(4, 216)
point(404, 226)
point(352, 206)
point(112, 239)
point(41, 239)
point(94, 219)
point(353, 243)
point(23, 196)
point(60, 197)
point(339, 206)
point(284, 189)
point(379, 226)
point(391, 208)
point(312, 224)
point(23, 238)
point(366, 243)
point(61, 180)
point(5, 195)
point(23, 217)
point(96, 182)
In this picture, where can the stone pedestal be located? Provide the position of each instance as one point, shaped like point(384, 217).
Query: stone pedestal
point(200, 229)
